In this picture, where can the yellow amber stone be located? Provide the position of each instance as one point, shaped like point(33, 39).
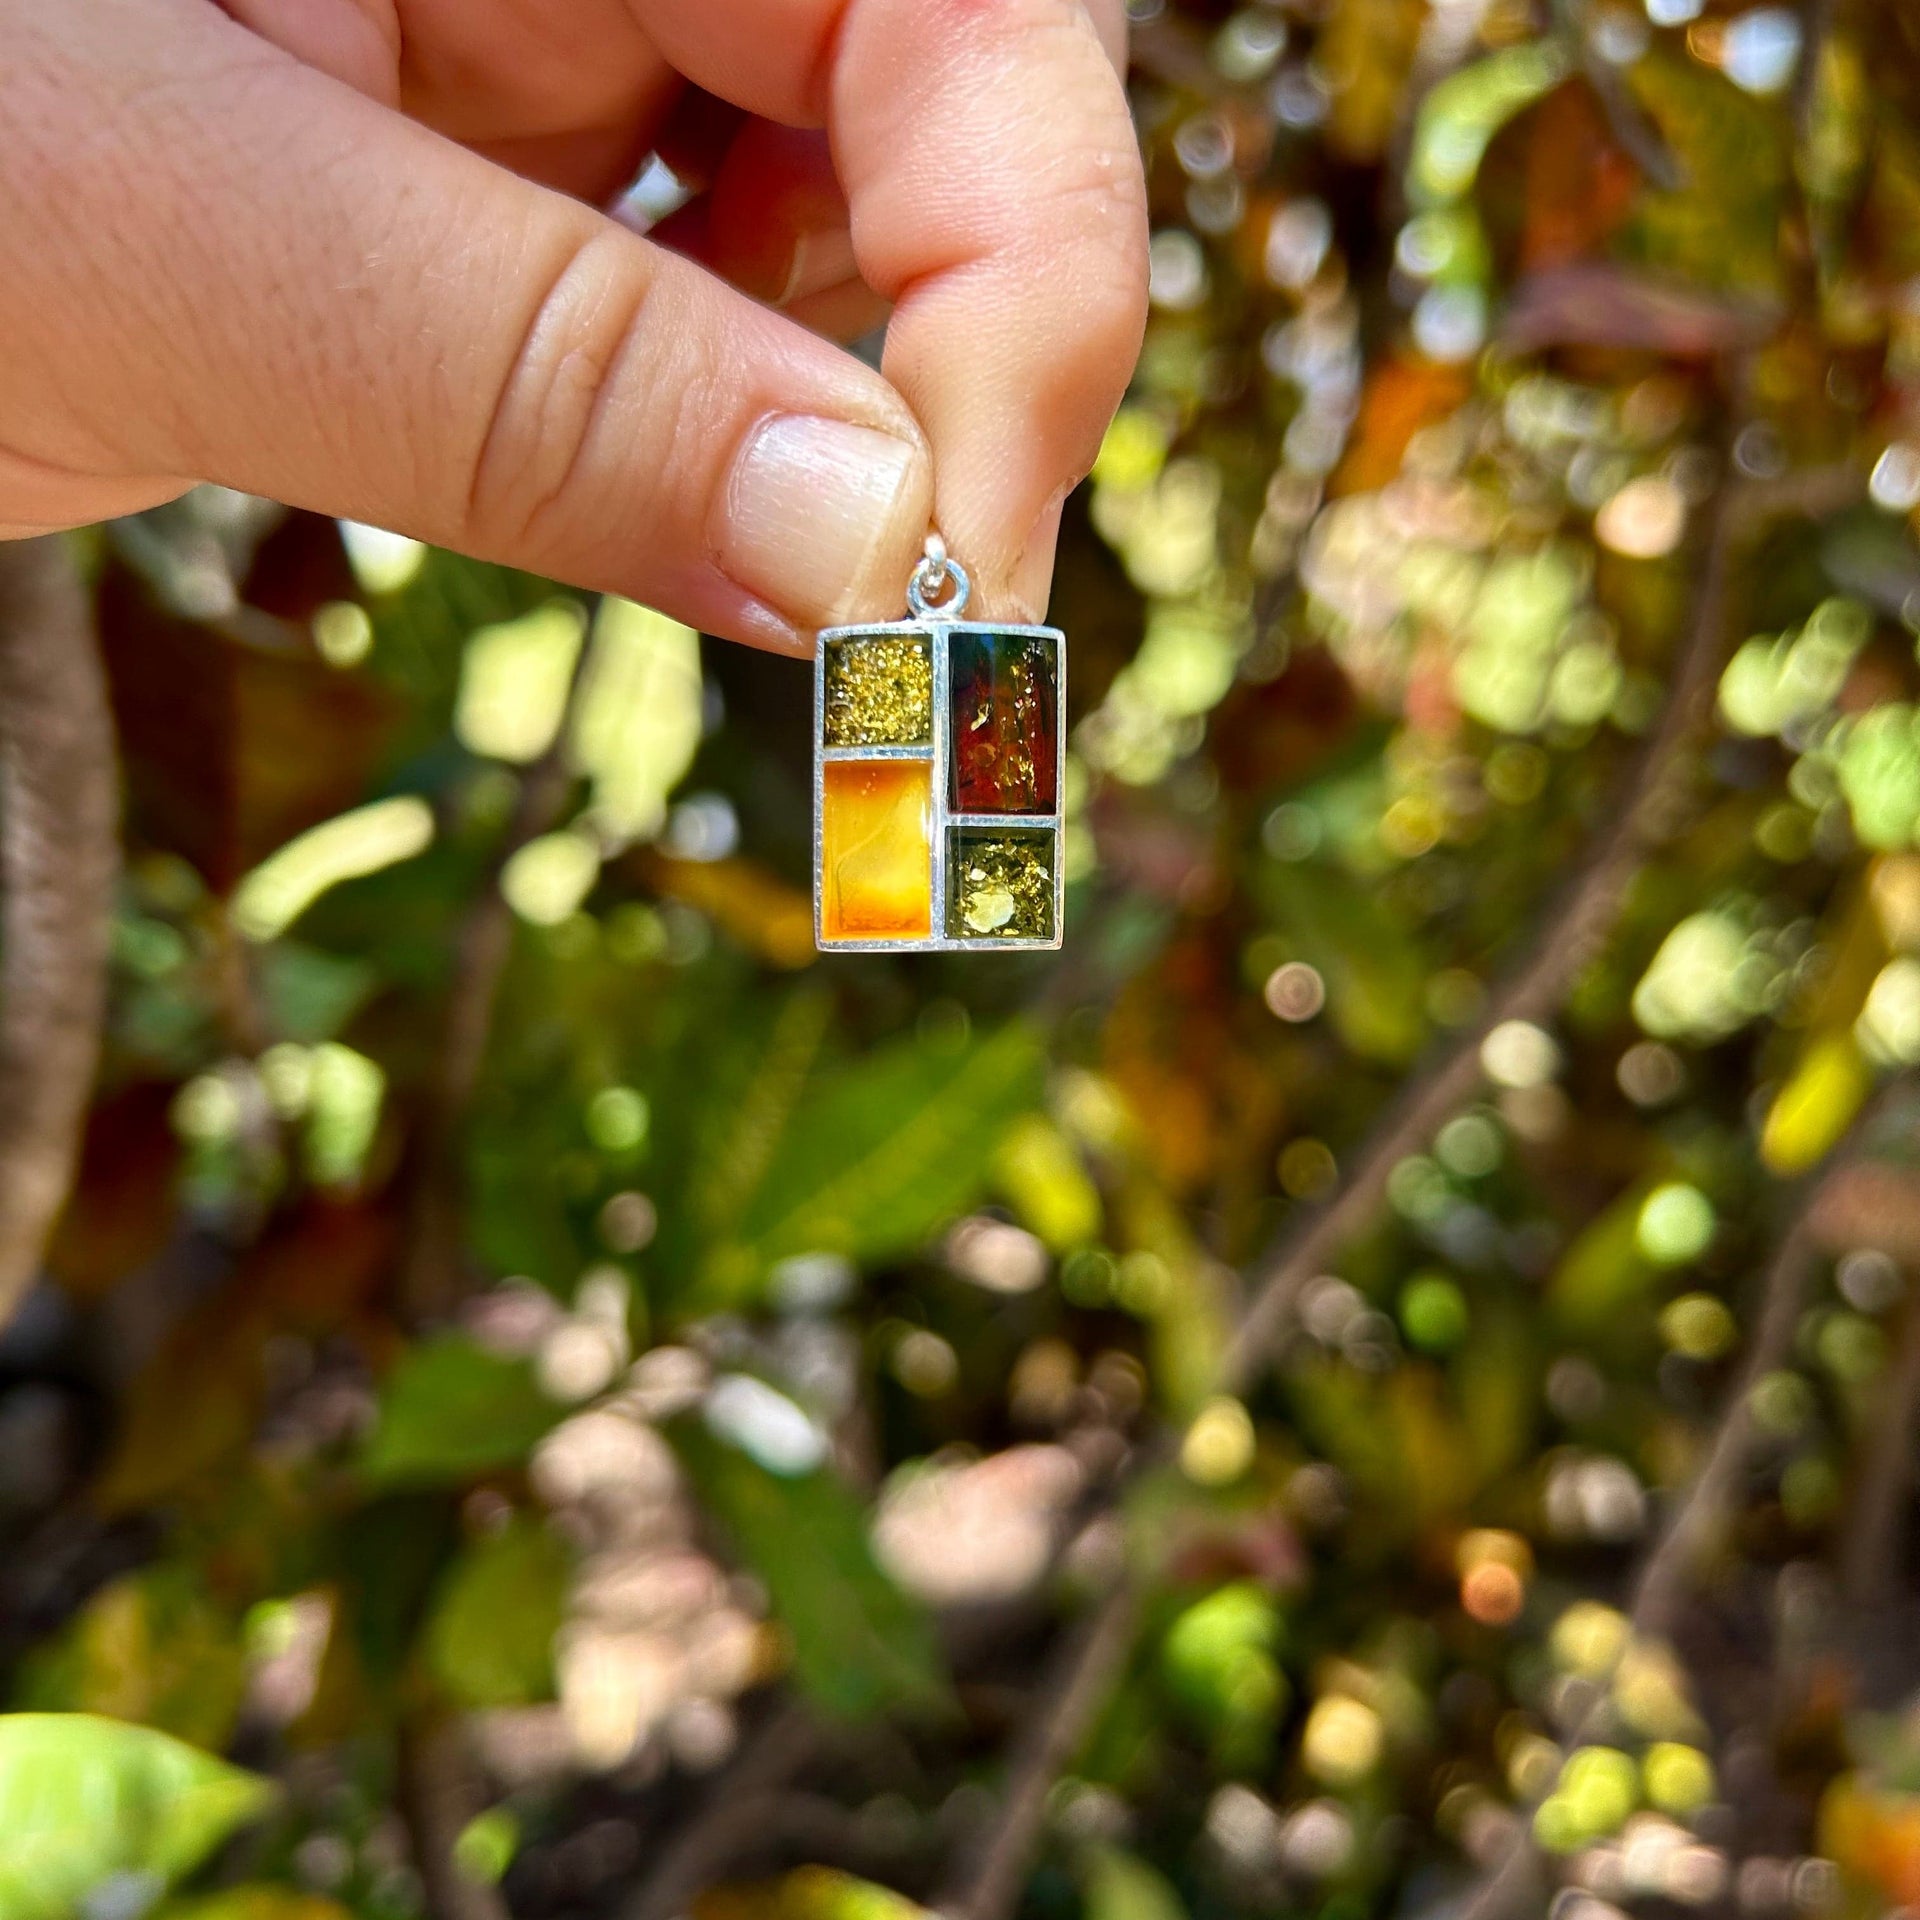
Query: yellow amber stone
point(876, 854)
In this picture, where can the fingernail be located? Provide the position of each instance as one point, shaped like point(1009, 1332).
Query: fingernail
point(822, 519)
point(820, 261)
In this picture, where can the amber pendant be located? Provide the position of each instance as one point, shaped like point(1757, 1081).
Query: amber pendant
point(937, 750)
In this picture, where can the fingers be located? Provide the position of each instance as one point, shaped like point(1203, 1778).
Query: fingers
point(997, 199)
point(993, 183)
point(567, 95)
point(775, 224)
point(1109, 19)
point(774, 220)
point(388, 328)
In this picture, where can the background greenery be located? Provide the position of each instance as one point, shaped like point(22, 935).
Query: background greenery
point(1380, 1381)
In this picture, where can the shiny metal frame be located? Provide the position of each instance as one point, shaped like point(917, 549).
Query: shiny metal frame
point(944, 820)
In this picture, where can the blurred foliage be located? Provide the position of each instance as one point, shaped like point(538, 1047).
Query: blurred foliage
point(591, 1358)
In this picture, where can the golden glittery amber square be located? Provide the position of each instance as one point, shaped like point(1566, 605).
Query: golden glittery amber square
point(1000, 883)
point(879, 691)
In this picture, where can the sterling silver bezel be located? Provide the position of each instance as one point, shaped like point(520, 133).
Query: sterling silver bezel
point(943, 819)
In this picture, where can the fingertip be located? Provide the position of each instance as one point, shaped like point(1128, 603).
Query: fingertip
point(821, 519)
point(1031, 585)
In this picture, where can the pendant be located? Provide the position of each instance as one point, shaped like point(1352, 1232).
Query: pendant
point(938, 744)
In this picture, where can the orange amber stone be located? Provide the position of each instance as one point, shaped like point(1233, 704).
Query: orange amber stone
point(876, 850)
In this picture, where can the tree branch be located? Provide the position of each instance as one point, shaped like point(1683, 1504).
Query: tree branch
point(439, 1791)
point(59, 855)
point(430, 1282)
point(1534, 986)
point(1632, 127)
point(1070, 1699)
point(1870, 1547)
point(733, 1812)
point(1512, 1888)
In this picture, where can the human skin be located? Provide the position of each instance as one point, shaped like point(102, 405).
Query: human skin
point(349, 254)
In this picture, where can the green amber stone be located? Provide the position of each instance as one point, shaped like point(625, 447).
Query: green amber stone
point(1000, 883)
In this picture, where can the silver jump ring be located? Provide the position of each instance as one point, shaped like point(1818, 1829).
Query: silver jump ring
point(935, 569)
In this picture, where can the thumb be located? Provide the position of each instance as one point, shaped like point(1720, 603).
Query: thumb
point(315, 299)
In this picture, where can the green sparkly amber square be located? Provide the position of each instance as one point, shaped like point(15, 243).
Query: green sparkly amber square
point(879, 691)
point(1000, 883)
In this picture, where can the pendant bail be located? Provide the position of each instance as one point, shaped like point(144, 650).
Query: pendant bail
point(935, 569)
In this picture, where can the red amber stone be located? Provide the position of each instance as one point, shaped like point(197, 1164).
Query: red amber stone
point(1005, 732)
point(876, 852)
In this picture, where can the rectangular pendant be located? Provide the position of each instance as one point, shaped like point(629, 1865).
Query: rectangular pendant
point(937, 753)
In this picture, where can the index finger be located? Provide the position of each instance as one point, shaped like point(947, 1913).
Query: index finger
point(994, 186)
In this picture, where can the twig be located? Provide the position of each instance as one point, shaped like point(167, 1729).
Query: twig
point(439, 1791)
point(439, 1786)
point(1533, 988)
point(430, 1262)
point(1566, 941)
point(59, 855)
point(1870, 1547)
point(1629, 123)
point(1068, 1703)
point(734, 1811)
point(1511, 1888)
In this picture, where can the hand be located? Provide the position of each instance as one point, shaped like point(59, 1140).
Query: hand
point(345, 253)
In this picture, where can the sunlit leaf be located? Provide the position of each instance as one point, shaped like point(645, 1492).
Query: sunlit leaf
point(639, 715)
point(513, 682)
point(809, 1893)
point(1460, 116)
point(1813, 1110)
point(1121, 1886)
point(86, 1803)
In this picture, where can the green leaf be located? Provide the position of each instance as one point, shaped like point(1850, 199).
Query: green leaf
point(308, 995)
point(871, 1160)
point(84, 1801)
point(861, 1646)
point(1375, 977)
point(517, 1217)
point(489, 1639)
point(258, 1900)
point(1604, 1272)
point(392, 1553)
point(1721, 229)
point(153, 1647)
point(452, 1410)
point(1121, 1886)
point(1460, 116)
point(810, 1893)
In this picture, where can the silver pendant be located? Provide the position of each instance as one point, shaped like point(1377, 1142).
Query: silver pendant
point(938, 746)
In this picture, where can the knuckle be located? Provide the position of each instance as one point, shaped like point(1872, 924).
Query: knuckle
point(578, 361)
point(1096, 231)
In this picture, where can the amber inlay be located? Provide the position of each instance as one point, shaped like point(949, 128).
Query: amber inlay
point(879, 691)
point(1000, 883)
point(1004, 713)
point(876, 856)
